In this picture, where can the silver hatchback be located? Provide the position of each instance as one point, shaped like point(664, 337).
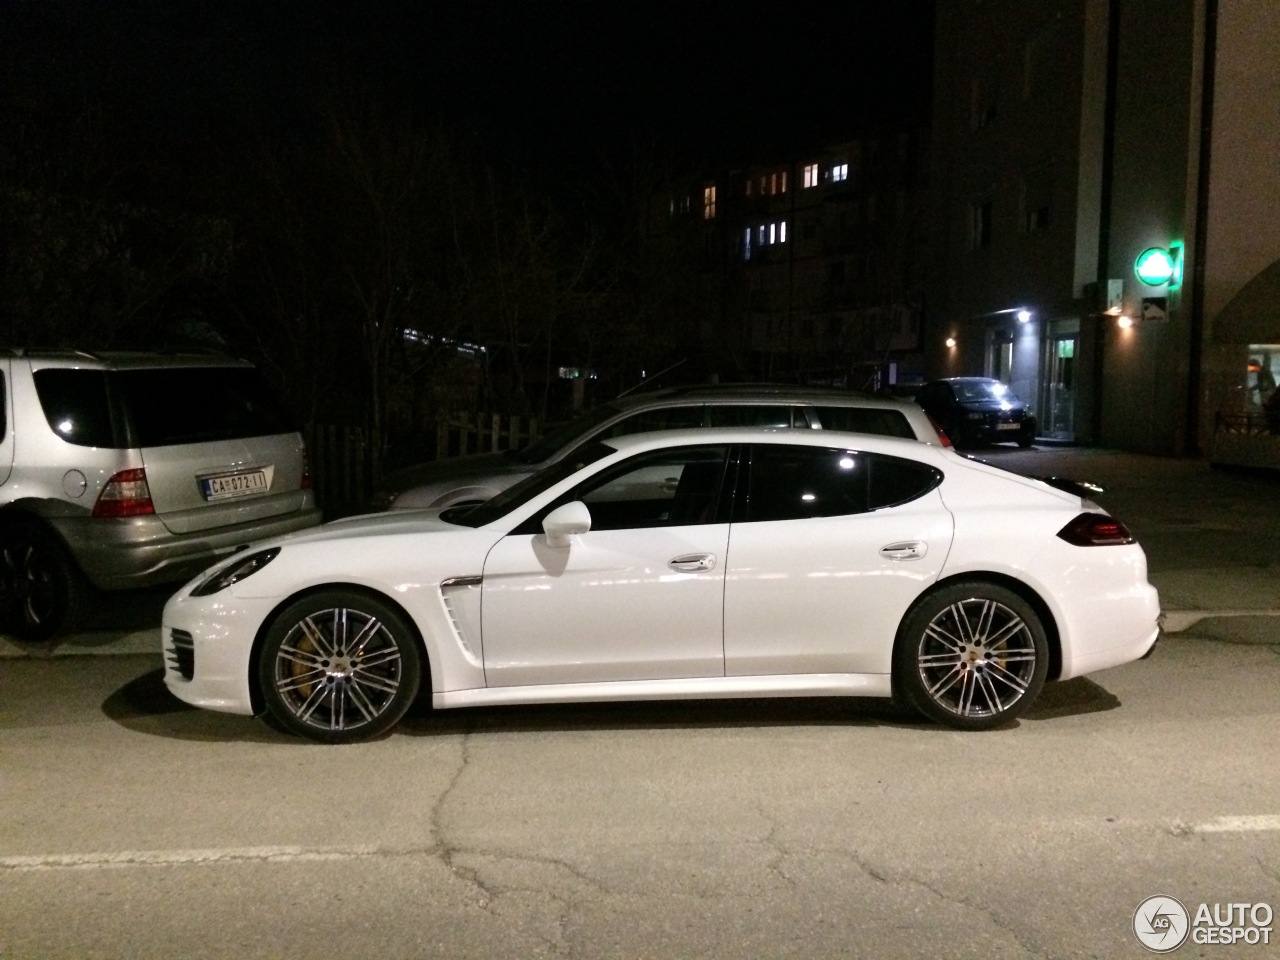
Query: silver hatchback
point(122, 470)
point(472, 479)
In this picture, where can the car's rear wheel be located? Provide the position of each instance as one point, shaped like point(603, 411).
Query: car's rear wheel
point(42, 591)
point(339, 666)
point(972, 656)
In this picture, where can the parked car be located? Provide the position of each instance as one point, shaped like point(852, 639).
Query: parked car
point(978, 410)
point(696, 563)
point(475, 478)
point(121, 470)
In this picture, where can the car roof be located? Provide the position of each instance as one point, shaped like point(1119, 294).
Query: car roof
point(874, 443)
point(755, 392)
point(123, 359)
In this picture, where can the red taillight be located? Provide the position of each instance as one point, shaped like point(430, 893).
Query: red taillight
point(125, 495)
point(1095, 530)
point(306, 470)
point(942, 434)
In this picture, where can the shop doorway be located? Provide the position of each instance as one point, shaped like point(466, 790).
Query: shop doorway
point(1058, 401)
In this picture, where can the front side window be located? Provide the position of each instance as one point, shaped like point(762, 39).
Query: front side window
point(663, 488)
point(796, 483)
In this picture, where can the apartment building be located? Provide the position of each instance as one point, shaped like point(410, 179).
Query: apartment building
point(813, 268)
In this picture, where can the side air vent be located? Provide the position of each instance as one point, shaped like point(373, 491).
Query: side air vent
point(180, 652)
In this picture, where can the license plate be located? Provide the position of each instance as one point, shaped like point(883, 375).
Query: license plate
point(1008, 426)
point(226, 485)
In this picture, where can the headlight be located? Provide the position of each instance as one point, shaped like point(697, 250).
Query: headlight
point(235, 571)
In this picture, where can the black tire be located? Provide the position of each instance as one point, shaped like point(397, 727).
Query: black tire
point(42, 591)
point(1025, 442)
point(339, 666)
point(971, 656)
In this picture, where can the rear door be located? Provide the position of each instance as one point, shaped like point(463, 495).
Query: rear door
point(833, 547)
point(217, 446)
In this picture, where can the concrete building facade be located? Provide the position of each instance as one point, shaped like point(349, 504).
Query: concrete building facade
point(1070, 138)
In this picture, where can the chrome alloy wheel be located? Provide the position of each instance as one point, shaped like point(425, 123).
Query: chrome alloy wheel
point(339, 671)
point(971, 655)
point(976, 658)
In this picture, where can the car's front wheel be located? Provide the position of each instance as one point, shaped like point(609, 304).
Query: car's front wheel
point(339, 666)
point(972, 655)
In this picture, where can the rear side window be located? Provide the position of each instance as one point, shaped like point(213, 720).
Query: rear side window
point(77, 407)
point(792, 483)
point(884, 423)
point(663, 418)
point(201, 404)
point(770, 416)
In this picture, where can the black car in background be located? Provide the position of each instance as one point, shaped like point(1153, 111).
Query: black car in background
point(978, 410)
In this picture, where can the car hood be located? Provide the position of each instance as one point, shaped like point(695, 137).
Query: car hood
point(373, 524)
point(455, 468)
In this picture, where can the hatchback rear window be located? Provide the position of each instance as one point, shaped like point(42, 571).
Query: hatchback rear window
point(159, 408)
point(197, 405)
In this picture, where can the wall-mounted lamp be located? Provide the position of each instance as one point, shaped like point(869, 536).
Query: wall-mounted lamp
point(951, 342)
point(1124, 323)
point(1024, 316)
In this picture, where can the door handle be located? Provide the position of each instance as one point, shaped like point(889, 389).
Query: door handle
point(906, 550)
point(693, 562)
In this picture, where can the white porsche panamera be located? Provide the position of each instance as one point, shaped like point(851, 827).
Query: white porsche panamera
point(693, 564)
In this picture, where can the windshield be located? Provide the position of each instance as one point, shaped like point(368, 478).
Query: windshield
point(526, 489)
point(984, 390)
point(545, 447)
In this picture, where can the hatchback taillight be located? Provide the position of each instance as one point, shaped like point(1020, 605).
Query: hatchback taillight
point(1096, 530)
point(125, 495)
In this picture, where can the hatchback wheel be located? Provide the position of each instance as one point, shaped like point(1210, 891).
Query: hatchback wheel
point(339, 666)
point(41, 590)
point(971, 656)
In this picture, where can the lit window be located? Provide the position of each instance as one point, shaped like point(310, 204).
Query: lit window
point(810, 175)
point(782, 180)
point(746, 244)
point(839, 172)
point(782, 232)
point(708, 203)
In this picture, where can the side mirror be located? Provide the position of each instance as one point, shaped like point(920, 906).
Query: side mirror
point(566, 521)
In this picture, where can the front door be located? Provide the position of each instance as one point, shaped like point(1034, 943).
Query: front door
point(638, 597)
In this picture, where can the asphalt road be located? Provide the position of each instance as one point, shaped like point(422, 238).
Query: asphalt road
point(134, 827)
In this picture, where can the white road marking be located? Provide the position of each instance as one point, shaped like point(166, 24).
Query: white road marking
point(134, 858)
point(1247, 824)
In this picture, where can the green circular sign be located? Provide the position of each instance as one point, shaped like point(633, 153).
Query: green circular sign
point(1154, 266)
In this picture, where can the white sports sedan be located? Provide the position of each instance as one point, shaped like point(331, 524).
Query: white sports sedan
point(707, 563)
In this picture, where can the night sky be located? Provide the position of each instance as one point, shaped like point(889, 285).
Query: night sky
point(549, 80)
